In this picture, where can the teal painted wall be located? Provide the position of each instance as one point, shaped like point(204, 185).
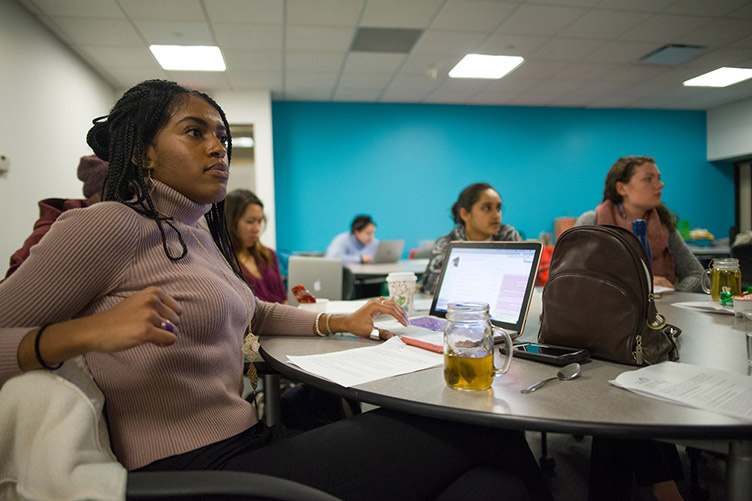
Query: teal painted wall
point(405, 164)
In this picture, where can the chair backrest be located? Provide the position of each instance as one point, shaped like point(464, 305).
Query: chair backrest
point(322, 276)
point(743, 253)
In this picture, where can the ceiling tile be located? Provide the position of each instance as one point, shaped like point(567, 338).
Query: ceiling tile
point(511, 45)
point(567, 49)
point(585, 71)
point(604, 24)
point(128, 77)
point(472, 15)
point(448, 42)
point(541, 19)
point(324, 12)
point(313, 38)
point(413, 83)
point(264, 37)
point(80, 8)
point(663, 29)
point(637, 5)
point(253, 61)
point(315, 61)
point(164, 10)
point(248, 80)
point(705, 7)
point(104, 31)
point(403, 96)
point(361, 62)
point(412, 14)
point(245, 11)
point(356, 94)
point(296, 80)
point(718, 32)
point(202, 80)
point(169, 33)
point(620, 52)
point(126, 57)
point(364, 80)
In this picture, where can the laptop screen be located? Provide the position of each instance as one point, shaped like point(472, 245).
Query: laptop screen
point(501, 274)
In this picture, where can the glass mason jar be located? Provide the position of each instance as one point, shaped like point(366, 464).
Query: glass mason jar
point(723, 275)
point(469, 345)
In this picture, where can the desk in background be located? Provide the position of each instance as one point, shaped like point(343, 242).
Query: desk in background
point(707, 253)
point(369, 277)
point(589, 405)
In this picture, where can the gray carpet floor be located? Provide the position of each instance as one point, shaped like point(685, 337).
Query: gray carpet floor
point(569, 478)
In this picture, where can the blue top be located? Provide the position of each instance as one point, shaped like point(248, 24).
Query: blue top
point(347, 248)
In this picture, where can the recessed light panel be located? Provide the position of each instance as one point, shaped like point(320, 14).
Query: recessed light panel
point(722, 77)
point(189, 57)
point(485, 66)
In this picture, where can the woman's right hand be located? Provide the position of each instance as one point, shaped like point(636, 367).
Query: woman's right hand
point(135, 321)
point(138, 320)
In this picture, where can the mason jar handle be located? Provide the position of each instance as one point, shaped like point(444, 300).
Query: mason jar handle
point(507, 355)
point(706, 281)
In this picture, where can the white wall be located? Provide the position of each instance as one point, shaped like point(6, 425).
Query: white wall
point(730, 131)
point(48, 98)
point(256, 108)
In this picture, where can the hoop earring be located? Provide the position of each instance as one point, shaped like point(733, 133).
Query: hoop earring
point(148, 180)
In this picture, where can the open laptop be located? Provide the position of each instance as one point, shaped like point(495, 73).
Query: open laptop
point(388, 251)
point(321, 276)
point(501, 274)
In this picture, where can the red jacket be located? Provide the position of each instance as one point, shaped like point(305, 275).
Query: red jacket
point(49, 210)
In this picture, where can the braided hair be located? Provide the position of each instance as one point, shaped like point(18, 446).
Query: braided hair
point(121, 138)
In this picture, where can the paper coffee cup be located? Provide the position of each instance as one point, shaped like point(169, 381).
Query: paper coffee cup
point(402, 289)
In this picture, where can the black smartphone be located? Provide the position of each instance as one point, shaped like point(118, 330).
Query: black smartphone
point(548, 353)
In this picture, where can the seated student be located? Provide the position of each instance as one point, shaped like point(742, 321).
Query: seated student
point(245, 221)
point(356, 246)
point(633, 191)
point(144, 287)
point(477, 216)
point(91, 170)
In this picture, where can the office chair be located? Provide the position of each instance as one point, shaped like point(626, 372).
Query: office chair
point(219, 486)
point(743, 253)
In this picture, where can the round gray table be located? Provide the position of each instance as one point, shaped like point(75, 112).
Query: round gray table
point(589, 405)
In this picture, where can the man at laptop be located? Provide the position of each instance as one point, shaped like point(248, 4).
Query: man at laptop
point(356, 246)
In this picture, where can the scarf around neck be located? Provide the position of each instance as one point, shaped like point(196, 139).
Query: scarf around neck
point(663, 263)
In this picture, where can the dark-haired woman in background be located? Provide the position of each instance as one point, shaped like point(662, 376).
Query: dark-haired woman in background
point(477, 216)
point(245, 222)
point(633, 191)
point(161, 299)
point(356, 246)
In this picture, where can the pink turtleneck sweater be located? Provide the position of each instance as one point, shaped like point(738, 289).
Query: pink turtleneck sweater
point(159, 401)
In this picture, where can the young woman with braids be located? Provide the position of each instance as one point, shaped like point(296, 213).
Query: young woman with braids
point(145, 287)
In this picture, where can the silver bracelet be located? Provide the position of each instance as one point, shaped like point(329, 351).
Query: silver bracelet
point(316, 325)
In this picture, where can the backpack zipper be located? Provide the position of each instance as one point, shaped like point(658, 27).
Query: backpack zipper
point(637, 353)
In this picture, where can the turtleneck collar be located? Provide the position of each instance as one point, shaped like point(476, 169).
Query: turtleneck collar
point(170, 202)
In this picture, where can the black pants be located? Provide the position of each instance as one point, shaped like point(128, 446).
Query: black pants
point(382, 455)
point(615, 462)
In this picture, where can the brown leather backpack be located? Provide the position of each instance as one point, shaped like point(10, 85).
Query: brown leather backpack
point(599, 296)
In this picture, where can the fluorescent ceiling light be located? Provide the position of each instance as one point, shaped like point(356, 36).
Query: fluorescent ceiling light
point(722, 77)
point(483, 66)
point(189, 57)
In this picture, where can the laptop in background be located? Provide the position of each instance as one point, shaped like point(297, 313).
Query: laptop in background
point(501, 274)
point(321, 276)
point(388, 251)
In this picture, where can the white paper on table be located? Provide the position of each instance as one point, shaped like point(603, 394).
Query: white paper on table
point(361, 365)
point(702, 387)
point(344, 307)
point(422, 304)
point(706, 306)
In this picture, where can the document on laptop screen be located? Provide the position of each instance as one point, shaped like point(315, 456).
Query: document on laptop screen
point(487, 275)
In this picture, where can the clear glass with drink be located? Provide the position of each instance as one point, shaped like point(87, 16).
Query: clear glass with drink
point(469, 347)
point(723, 275)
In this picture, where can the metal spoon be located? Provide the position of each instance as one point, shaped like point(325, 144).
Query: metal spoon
point(566, 373)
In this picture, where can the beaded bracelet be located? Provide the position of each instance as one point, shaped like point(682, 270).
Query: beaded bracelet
point(39, 355)
point(316, 325)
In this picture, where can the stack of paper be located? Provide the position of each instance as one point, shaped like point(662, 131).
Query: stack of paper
point(361, 365)
point(702, 387)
